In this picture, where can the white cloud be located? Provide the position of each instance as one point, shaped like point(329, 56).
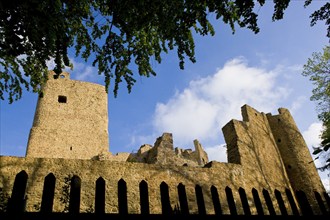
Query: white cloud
point(297, 104)
point(217, 153)
point(186, 115)
point(50, 64)
point(312, 135)
point(84, 72)
point(138, 140)
point(202, 109)
point(81, 71)
point(312, 138)
point(295, 68)
point(326, 183)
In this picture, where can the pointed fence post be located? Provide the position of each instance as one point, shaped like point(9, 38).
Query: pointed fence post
point(293, 204)
point(122, 197)
point(280, 202)
point(320, 203)
point(100, 196)
point(257, 202)
point(244, 201)
point(231, 201)
point(216, 200)
point(144, 198)
point(200, 200)
point(17, 201)
point(269, 202)
point(327, 199)
point(305, 207)
point(74, 203)
point(165, 199)
point(48, 194)
point(183, 199)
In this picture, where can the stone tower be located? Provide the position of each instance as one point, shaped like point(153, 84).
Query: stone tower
point(273, 145)
point(297, 159)
point(71, 120)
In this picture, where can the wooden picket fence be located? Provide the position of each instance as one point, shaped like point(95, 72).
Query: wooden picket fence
point(15, 209)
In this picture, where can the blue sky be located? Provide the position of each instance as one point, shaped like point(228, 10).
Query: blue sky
point(262, 70)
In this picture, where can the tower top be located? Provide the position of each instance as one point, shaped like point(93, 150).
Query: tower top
point(63, 75)
point(71, 120)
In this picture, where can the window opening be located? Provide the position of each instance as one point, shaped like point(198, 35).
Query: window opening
point(61, 99)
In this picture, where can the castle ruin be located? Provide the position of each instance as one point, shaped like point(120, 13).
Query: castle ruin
point(266, 154)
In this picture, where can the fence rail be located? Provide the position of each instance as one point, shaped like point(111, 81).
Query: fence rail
point(17, 203)
point(113, 216)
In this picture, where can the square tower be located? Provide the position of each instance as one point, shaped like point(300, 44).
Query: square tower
point(71, 120)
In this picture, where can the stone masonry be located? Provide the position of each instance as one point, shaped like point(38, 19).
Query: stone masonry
point(69, 137)
point(71, 120)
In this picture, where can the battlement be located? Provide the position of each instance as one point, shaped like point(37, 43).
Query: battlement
point(164, 153)
point(69, 138)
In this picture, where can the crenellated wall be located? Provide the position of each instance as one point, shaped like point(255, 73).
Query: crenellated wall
point(266, 155)
point(255, 164)
point(219, 175)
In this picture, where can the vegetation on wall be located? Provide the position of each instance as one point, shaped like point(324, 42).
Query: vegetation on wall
point(4, 197)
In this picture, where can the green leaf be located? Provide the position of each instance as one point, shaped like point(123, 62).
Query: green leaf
point(317, 151)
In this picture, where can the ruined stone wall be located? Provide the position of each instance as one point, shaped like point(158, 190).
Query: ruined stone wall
point(264, 153)
point(219, 175)
point(275, 146)
point(71, 120)
point(201, 155)
point(163, 152)
point(254, 145)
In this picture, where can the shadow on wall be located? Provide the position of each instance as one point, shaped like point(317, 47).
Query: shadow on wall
point(16, 203)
